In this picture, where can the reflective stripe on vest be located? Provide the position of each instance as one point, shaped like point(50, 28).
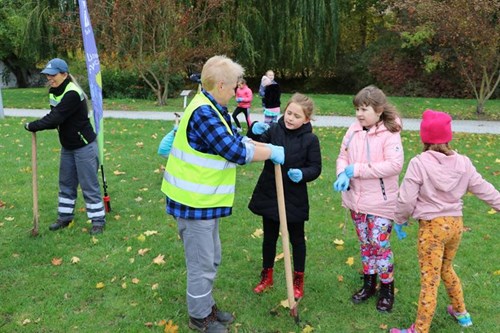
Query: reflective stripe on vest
point(54, 100)
point(182, 182)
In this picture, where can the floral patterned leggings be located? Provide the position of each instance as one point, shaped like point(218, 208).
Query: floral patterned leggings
point(438, 242)
point(376, 253)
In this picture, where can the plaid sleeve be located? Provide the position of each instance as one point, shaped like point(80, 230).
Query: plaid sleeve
point(208, 134)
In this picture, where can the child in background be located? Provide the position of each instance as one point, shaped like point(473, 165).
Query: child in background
point(431, 192)
point(302, 165)
point(271, 100)
point(269, 75)
point(244, 98)
point(368, 166)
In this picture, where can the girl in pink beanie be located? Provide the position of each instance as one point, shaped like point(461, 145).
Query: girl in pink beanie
point(431, 193)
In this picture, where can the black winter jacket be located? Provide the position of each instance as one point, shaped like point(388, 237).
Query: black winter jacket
point(302, 151)
point(272, 96)
point(70, 117)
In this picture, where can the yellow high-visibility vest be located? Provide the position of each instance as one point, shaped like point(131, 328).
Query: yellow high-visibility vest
point(197, 179)
point(54, 100)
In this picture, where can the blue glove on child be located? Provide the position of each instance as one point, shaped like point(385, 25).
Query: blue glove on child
point(399, 230)
point(277, 154)
point(342, 183)
point(349, 171)
point(166, 143)
point(295, 175)
point(259, 127)
point(239, 99)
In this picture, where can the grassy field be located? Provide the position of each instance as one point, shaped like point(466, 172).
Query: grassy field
point(340, 105)
point(68, 281)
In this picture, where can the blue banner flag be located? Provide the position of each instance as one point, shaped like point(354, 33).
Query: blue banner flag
point(95, 84)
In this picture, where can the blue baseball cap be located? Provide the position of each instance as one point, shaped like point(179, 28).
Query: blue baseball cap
point(55, 66)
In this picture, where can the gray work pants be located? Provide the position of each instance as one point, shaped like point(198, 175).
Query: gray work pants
point(202, 249)
point(80, 166)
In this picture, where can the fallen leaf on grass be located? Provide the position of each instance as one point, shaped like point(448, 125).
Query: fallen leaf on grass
point(496, 272)
point(170, 327)
point(75, 260)
point(124, 285)
point(257, 233)
point(383, 326)
point(94, 240)
point(159, 259)
point(26, 322)
point(99, 285)
point(279, 257)
point(492, 211)
point(338, 241)
point(135, 280)
point(9, 218)
point(117, 173)
point(141, 238)
point(307, 329)
point(139, 144)
point(284, 303)
point(340, 278)
point(350, 261)
point(155, 286)
point(150, 232)
point(142, 252)
point(56, 261)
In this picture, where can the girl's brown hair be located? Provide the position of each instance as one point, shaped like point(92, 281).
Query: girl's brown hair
point(443, 148)
point(305, 103)
point(375, 97)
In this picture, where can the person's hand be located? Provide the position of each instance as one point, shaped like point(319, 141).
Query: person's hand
point(342, 183)
point(295, 175)
point(166, 143)
point(349, 171)
point(277, 154)
point(259, 127)
point(399, 230)
point(239, 99)
point(27, 126)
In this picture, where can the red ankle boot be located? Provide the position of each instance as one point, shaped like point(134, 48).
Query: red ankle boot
point(298, 285)
point(266, 281)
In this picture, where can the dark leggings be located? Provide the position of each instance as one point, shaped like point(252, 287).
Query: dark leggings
point(239, 110)
point(297, 239)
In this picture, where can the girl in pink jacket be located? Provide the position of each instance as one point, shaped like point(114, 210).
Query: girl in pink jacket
point(431, 192)
point(368, 166)
point(244, 97)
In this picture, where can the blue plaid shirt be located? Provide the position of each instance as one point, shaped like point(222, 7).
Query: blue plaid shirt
point(206, 133)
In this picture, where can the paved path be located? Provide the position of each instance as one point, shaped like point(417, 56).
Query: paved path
point(467, 126)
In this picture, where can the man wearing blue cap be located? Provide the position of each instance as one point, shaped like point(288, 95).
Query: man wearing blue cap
point(79, 153)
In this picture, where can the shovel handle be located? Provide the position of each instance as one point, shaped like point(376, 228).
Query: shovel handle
point(34, 169)
point(284, 236)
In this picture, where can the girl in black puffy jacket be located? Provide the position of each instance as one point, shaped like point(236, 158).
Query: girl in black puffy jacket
point(302, 164)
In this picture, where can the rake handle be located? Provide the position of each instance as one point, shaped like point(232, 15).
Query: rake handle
point(34, 180)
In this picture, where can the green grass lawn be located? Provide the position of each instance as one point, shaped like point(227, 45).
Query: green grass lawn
point(137, 294)
point(340, 105)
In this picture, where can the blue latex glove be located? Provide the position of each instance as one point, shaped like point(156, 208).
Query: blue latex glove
point(277, 154)
point(166, 143)
point(295, 175)
point(399, 230)
point(259, 127)
point(349, 171)
point(342, 183)
point(239, 99)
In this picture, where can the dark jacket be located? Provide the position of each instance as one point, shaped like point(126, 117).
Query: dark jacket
point(272, 95)
point(70, 117)
point(302, 151)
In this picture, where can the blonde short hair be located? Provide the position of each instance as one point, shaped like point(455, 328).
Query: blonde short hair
point(220, 68)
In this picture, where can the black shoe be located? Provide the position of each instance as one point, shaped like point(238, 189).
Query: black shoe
point(59, 225)
point(207, 325)
point(386, 299)
point(223, 317)
point(369, 289)
point(96, 229)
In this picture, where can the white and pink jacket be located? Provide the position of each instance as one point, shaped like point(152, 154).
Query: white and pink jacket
point(378, 158)
point(434, 185)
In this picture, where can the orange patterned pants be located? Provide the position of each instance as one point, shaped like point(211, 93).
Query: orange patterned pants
point(438, 242)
